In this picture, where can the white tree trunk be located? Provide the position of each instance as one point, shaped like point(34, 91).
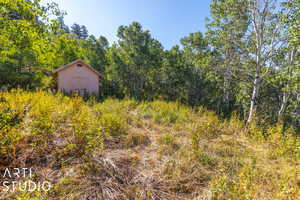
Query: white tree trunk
point(283, 105)
point(253, 104)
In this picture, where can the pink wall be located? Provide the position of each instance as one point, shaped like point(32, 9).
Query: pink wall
point(73, 78)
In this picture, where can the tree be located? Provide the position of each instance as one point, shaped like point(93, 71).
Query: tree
point(263, 40)
point(76, 29)
point(83, 32)
point(95, 52)
point(288, 59)
point(175, 76)
point(135, 61)
point(198, 59)
point(226, 31)
point(80, 32)
point(24, 42)
point(63, 26)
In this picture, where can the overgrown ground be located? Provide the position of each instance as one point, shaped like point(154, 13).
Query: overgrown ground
point(152, 150)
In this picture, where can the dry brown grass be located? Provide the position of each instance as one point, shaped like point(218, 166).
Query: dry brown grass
point(124, 150)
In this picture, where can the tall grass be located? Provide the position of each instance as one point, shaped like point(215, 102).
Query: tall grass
point(122, 149)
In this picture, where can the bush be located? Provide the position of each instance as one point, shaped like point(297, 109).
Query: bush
point(284, 143)
point(87, 131)
point(8, 118)
point(49, 123)
point(164, 113)
point(113, 124)
point(10, 122)
point(252, 182)
point(207, 126)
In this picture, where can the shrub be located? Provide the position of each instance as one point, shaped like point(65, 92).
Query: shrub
point(8, 143)
point(50, 123)
point(207, 127)
point(86, 129)
point(252, 182)
point(114, 106)
point(10, 121)
point(113, 124)
point(8, 118)
point(164, 113)
point(283, 143)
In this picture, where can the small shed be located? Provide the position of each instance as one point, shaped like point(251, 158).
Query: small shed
point(78, 76)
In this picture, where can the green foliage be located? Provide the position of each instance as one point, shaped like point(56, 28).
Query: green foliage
point(41, 127)
point(113, 124)
point(88, 132)
point(163, 112)
point(247, 183)
point(24, 43)
point(8, 117)
point(197, 149)
point(215, 70)
point(135, 62)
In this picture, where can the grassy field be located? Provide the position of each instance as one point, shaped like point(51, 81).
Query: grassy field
point(123, 149)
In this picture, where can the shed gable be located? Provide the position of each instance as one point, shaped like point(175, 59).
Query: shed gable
point(78, 76)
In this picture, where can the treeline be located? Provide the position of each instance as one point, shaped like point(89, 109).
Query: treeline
point(247, 62)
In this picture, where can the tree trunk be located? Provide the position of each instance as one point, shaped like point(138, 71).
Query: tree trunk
point(253, 104)
point(286, 94)
point(283, 106)
point(227, 80)
point(226, 88)
point(257, 26)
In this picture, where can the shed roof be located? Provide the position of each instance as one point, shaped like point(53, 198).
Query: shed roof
point(74, 62)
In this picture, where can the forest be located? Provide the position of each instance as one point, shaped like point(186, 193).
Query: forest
point(215, 117)
point(247, 62)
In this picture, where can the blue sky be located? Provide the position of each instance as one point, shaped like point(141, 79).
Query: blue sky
point(167, 20)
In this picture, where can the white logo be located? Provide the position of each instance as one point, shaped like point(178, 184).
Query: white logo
point(12, 181)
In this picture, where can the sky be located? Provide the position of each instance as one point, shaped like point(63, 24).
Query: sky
point(167, 20)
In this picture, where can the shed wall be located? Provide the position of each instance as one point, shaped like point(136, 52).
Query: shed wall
point(74, 78)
